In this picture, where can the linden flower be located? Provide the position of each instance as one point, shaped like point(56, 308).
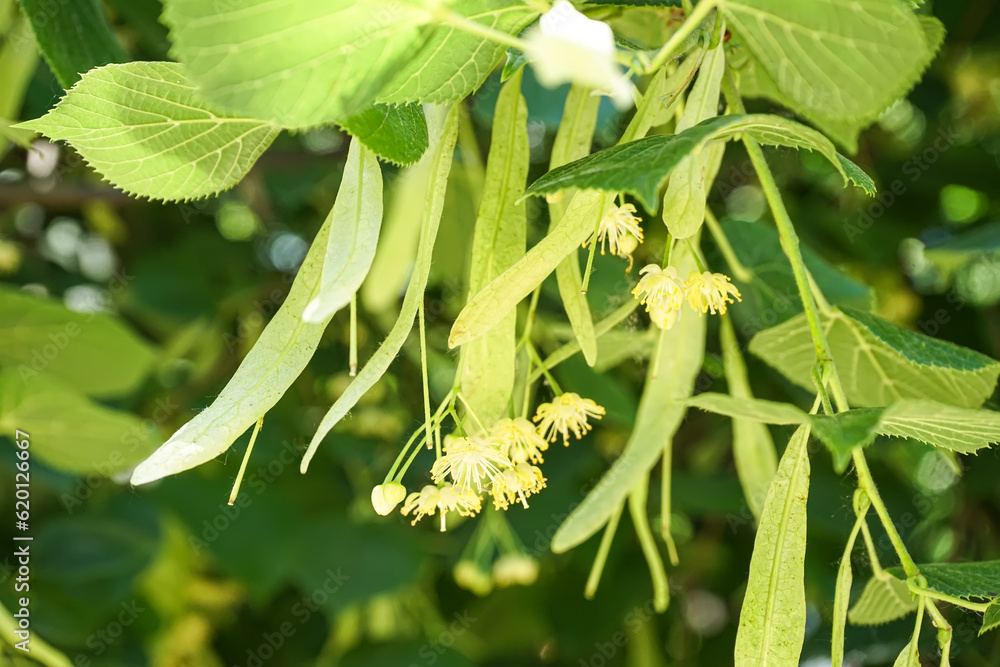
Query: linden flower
point(447, 498)
point(471, 462)
point(568, 47)
point(710, 292)
point(385, 497)
point(519, 440)
point(662, 317)
point(620, 231)
point(567, 412)
point(518, 484)
point(661, 291)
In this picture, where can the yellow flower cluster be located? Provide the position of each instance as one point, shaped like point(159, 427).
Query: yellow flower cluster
point(663, 293)
point(619, 230)
point(501, 463)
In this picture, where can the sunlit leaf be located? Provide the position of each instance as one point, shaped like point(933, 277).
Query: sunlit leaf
point(146, 129)
point(443, 126)
point(354, 226)
point(299, 64)
point(880, 362)
point(451, 63)
point(489, 361)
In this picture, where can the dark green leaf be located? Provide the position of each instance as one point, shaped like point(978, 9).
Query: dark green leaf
point(880, 362)
point(961, 580)
point(616, 169)
point(74, 37)
point(844, 431)
point(397, 134)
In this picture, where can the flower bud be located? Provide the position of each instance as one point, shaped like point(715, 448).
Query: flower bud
point(385, 497)
point(515, 570)
point(473, 578)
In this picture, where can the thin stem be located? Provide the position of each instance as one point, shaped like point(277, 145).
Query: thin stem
point(695, 255)
point(667, 249)
point(694, 19)
point(545, 371)
point(472, 413)
point(637, 508)
point(246, 459)
point(567, 350)
point(944, 632)
point(593, 247)
point(790, 245)
point(353, 359)
point(872, 553)
point(943, 597)
point(594, 578)
point(423, 368)
point(740, 272)
point(666, 471)
point(867, 483)
point(391, 475)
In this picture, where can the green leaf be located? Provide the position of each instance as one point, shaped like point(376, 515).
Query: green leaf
point(492, 303)
point(70, 432)
point(498, 242)
point(277, 358)
point(660, 414)
point(91, 352)
point(615, 169)
point(884, 599)
point(685, 198)
point(144, 127)
point(755, 409)
point(773, 617)
point(753, 448)
point(961, 430)
point(299, 64)
point(451, 64)
point(771, 296)
point(18, 61)
point(443, 126)
point(393, 262)
point(844, 431)
point(879, 362)
point(991, 617)
point(670, 378)
point(908, 657)
point(74, 39)
point(573, 141)
point(756, 82)
point(397, 134)
point(845, 62)
point(961, 580)
point(354, 226)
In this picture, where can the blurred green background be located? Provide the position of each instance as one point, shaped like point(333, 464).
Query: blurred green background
point(120, 319)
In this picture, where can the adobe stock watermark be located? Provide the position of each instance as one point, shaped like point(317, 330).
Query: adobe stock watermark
point(913, 168)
